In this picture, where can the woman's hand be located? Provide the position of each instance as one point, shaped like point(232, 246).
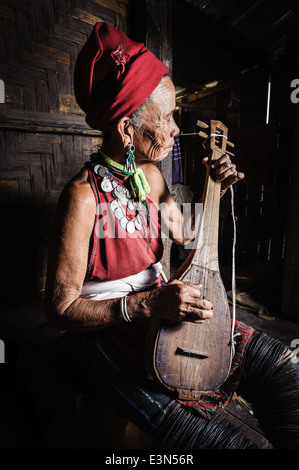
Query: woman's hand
point(226, 172)
point(176, 301)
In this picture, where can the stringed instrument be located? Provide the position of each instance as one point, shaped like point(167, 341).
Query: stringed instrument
point(188, 358)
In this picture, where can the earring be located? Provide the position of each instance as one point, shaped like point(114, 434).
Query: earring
point(130, 158)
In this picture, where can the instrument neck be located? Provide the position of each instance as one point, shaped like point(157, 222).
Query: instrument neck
point(208, 234)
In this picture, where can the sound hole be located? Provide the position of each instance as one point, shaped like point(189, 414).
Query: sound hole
point(191, 353)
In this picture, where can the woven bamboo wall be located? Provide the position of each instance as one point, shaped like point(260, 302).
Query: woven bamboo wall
point(44, 139)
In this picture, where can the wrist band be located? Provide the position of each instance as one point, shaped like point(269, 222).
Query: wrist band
point(123, 309)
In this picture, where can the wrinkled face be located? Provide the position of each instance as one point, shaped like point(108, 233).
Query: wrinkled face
point(155, 139)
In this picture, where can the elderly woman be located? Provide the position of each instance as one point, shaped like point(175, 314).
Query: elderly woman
point(104, 265)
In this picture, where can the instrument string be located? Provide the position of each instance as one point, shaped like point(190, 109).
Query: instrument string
point(233, 335)
point(233, 280)
point(207, 223)
point(206, 247)
point(207, 254)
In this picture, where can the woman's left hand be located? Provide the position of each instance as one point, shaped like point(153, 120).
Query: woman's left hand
point(226, 172)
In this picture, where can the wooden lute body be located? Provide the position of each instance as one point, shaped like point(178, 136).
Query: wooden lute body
point(192, 359)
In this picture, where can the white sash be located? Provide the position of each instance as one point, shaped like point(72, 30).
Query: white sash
point(102, 290)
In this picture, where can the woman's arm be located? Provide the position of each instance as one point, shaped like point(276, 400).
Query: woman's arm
point(67, 265)
point(178, 228)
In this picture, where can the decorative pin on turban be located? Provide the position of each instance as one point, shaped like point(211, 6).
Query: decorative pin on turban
point(113, 76)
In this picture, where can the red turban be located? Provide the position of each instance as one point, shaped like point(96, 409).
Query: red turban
point(114, 76)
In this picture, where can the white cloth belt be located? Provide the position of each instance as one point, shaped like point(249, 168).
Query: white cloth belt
point(102, 290)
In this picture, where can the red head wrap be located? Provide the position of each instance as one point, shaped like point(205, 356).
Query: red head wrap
point(114, 76)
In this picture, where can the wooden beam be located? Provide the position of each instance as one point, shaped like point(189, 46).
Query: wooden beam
point(198, 92)
point(15, 119)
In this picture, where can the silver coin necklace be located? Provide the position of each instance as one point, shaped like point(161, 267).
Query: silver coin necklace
point(123, 199)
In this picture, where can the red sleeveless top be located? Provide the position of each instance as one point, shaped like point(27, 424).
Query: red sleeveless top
point(114, 253)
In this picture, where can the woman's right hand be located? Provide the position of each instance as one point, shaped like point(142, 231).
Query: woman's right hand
point(176, 301)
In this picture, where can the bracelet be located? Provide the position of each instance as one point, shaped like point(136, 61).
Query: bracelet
point(123, 309)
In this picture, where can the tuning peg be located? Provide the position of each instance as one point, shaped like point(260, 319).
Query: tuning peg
point(230, 144)
point(230, 153)
point(202, 124)
point(203, 134)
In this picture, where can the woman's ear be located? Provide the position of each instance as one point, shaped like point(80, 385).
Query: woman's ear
point(125, 130)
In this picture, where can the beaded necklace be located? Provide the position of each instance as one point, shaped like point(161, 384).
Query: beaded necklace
point(138, 182)
point(134, 199)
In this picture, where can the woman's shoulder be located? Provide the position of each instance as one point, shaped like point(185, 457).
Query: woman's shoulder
point(152, 173)
point(78, 189)
point(155, 180)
